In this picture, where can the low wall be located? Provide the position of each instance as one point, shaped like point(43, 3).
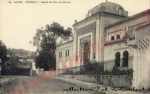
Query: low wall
point(17, 71)
point(122, 81)
point(118, 81)
point(87, 78)
point(7, 84)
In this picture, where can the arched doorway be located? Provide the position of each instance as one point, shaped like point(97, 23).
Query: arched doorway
point(86, 52)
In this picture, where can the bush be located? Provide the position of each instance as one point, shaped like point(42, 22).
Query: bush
point(118, 72)
point(91, 68)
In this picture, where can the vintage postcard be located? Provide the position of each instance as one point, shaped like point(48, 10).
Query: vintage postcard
point(74, 46)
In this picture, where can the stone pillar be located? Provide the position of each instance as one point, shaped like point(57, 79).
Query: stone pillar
point(97, 39)
point(135, 68)
point(74, 49)
point(100, 39)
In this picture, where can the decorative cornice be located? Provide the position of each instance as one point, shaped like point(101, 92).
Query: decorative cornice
point(144, 13)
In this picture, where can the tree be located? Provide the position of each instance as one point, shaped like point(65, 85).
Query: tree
point(45, 41)
point(3, 55)
point(3, 52)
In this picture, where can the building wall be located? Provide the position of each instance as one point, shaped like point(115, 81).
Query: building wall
point(83, 29)
point(103, 20)
point(137, 53)
point(94, 25)
point(109, 55)
point(64, 59)
point(126, 25)
point(141, 61)
point(119, 45)
point(99, 29)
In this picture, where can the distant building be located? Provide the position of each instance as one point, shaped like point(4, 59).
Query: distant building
point(64, 55)
point(24, 58)
point(107, 34)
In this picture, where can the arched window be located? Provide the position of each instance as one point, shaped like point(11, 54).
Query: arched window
point(67, 52)
point(125, 59)
point(112, 38)
point(60, 54)
point(118, 36)
point(117, 59)
point(120, 11)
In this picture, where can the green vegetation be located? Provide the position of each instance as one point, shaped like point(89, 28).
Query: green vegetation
point(45, 41)
point(99, 92)
point(3, 55)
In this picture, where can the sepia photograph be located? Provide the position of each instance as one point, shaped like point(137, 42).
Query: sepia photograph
point(74, 46)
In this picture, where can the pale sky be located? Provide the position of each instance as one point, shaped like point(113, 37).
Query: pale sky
point(18, 22)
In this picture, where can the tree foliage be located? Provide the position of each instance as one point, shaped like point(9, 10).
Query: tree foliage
point(3, 52)
point(3, 56)
point(45, 41)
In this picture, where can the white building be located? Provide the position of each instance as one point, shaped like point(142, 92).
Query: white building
point(108, 33)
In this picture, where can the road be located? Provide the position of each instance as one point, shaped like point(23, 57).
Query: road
point(39, 85)
point(31, 85)
point(58, 87)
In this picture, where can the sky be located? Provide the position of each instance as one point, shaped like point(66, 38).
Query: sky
point(19, 22)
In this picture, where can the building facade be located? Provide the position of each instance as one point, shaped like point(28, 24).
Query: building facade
point(109, 36)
